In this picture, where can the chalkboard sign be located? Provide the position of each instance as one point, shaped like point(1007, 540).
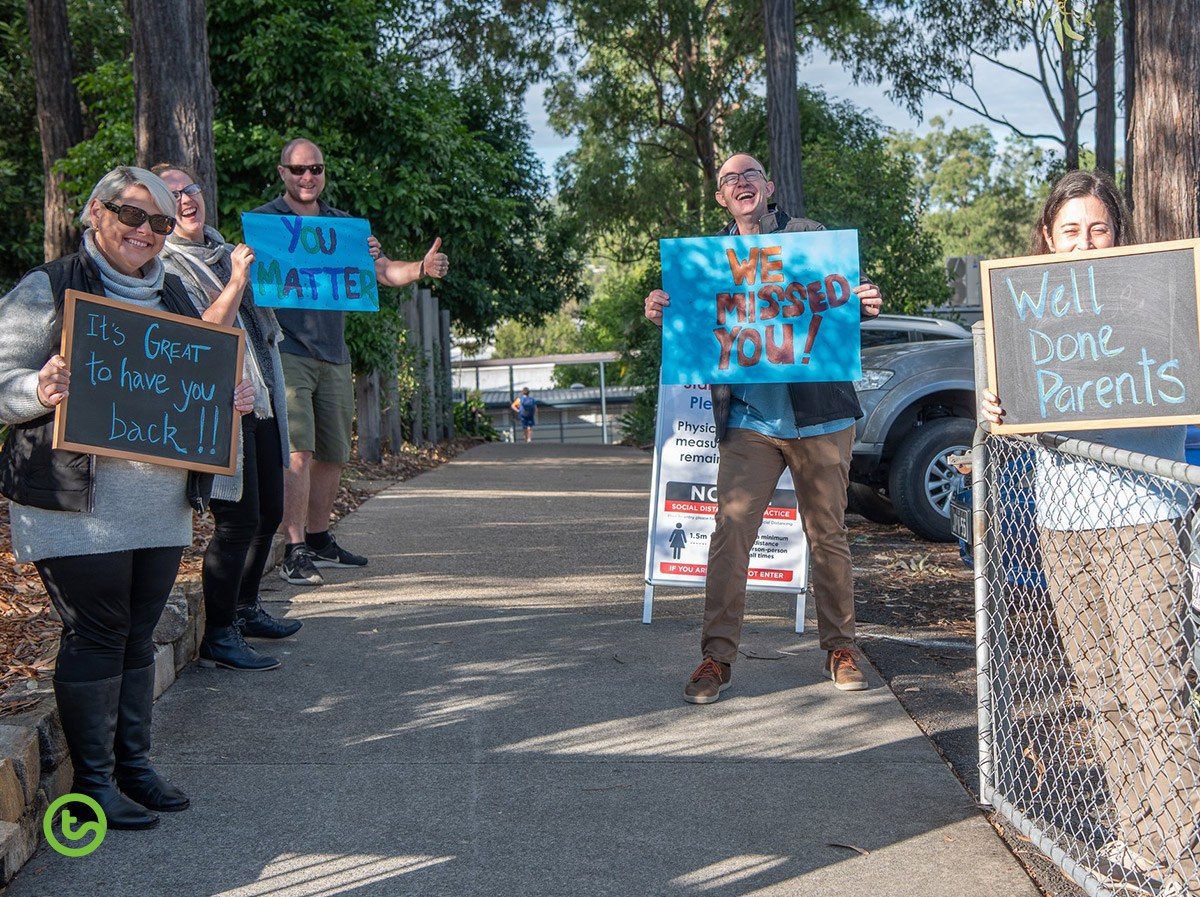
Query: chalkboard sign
point(148, 385)
point(1104, 338)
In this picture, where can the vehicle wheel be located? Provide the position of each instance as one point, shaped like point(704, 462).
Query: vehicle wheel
point(870, 503)
point(920, 482)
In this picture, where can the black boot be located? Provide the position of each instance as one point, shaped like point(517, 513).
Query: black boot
point(255, 622)
point(135, 776)
point(223, 646)
point(88, 711)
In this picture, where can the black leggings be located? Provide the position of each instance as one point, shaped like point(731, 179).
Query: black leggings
point(241, 542)
point(109, 605)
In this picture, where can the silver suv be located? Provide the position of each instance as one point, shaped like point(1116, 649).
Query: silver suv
point(918, 402)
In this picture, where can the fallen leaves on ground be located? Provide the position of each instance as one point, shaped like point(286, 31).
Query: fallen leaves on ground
point(900, 579)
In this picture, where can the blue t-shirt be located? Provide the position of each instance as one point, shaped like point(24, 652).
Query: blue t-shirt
point(767, 408)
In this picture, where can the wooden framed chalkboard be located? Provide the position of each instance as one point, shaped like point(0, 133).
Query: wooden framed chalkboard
point(1103, 338)
point(149, 385)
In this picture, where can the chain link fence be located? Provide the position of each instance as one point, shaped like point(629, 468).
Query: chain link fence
point(1087, 608)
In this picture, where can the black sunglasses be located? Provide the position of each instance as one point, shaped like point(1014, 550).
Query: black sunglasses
point(132, 216)
point(190, 190)
point(298, 170)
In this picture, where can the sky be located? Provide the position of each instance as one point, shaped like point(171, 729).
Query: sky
point(1017, 97)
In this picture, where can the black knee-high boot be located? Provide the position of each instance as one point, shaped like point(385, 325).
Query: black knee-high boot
point(135, 775)
point(88, 712)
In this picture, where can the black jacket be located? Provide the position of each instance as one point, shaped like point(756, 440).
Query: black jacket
point(812, 403)
point(32, 471)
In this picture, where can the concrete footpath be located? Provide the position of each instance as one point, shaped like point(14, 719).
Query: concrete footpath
point(481, 712)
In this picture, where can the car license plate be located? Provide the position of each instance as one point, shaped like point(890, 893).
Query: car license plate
point(960, 522)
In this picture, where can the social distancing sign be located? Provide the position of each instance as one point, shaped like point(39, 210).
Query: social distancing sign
point(683, 507)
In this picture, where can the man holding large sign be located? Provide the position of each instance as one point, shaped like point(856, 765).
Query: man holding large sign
point(316, 367)
point(763, 428)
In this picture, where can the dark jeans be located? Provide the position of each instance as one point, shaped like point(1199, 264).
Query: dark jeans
point(109, 605)
point(241, 542)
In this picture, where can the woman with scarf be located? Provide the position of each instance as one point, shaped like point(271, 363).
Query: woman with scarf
point(106, 534)
point(248, 506)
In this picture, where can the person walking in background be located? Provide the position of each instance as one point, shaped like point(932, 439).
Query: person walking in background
point(248, 506)
point(762, 429)
point(525, 406)
point(319, 384)
point(106, 534)
point(1109, 541)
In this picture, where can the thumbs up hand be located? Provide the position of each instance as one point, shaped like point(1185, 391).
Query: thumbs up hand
point(435, 264)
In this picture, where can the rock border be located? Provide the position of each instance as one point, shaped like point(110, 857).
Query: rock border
point(35, 768)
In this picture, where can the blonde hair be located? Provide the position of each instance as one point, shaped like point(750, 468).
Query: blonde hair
point(120, 179)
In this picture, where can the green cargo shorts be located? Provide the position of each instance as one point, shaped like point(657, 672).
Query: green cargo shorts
point(320, 406)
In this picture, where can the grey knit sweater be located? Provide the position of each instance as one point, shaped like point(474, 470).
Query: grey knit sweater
point(137, 505)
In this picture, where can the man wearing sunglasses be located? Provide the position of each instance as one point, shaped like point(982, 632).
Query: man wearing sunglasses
point(320, 389)
point(762, 429)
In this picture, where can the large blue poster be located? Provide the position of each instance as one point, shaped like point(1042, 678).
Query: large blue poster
point(769, 308)
point(311, 262)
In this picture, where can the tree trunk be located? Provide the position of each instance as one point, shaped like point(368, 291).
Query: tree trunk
point(1166, 129)
point(783, 105)
point(60, 118)
point(1106, 89)
point(1129, 45)
point(173, 95)
point(1070, 124)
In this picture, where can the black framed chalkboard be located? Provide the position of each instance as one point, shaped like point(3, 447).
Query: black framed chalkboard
point(149, 385)
point(1104, 338)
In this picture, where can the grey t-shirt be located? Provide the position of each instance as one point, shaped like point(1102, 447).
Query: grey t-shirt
point(313, 333)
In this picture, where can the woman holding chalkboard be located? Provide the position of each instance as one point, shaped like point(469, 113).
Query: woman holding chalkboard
point(248, 506)
point(1110, 546)
point(106, 534)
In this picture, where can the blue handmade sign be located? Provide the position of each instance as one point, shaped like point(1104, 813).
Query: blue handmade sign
point(311, 262)
point(769, 308)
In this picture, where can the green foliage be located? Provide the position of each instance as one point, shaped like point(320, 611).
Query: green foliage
point(107, 92)
point(557, 333)
point(417, 156)
point(98, 37)
point(471, 418)
point(20, 151)
point(852, 180)
point(650, 101)
point(976, 198)
point(614, 321)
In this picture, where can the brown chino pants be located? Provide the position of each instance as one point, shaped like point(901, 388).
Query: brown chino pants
point(1118, 597)
point(750, 468)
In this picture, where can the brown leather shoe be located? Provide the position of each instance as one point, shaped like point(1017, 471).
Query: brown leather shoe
point(841, 665)
point(710, 679)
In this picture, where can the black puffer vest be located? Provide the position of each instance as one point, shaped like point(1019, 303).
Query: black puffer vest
point(32, 471)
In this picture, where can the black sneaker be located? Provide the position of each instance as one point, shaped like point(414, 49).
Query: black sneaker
point(255, 622)
point(334, 555)
point(299, 568)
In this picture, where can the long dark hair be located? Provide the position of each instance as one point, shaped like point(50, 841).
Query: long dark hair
point(1073, 185)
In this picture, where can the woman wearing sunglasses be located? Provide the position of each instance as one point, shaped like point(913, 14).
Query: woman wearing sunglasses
point(105, 534)
point(248, 506)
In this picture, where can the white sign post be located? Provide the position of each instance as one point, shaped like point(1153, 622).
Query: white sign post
point(683, 505)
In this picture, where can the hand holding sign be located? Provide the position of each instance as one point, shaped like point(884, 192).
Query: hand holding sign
point(54, 381)
point(870, 300)
point(435, 263)
point(243, 397)
point(656, 301)
point(241, 259)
